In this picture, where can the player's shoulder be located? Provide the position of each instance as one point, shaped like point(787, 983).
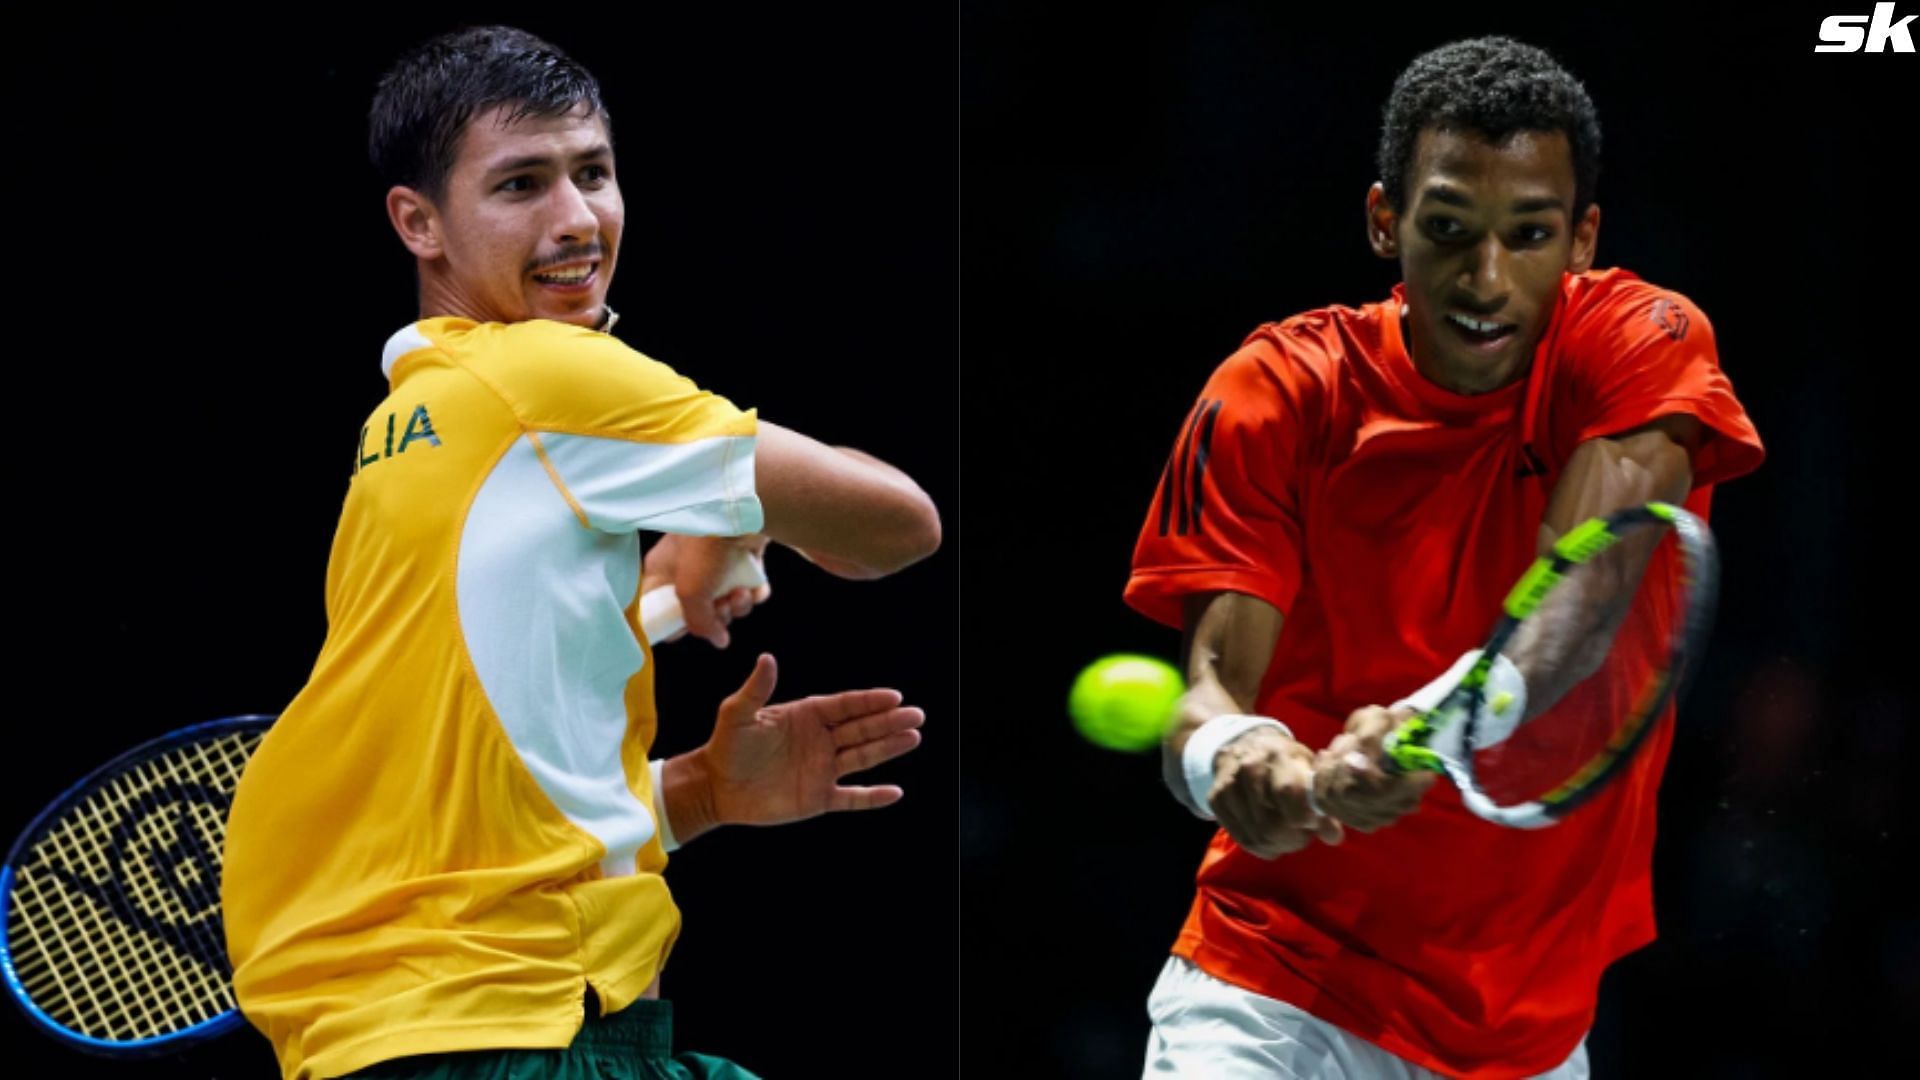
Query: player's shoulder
point(540, 359)
point(545, 344)
point(1308, 351)
point(1617, 301)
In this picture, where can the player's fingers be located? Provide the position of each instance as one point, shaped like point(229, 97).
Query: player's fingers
point(704, 622)
point(1231, 803)
point(863, 798)
point(876, 726)
point(849, 705)
point(1329, 791)
point(1330, 831)
point(1275, 815)
point(1288, 794)
point(1259, 839)
point(1371, 720)
point(867, 755)
point(735, 603)
point(754, 693)
point(1355, 791)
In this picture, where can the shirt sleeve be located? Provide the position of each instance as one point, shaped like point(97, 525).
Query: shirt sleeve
point(630, 443)
point(1226, 516)
point(1646, 352)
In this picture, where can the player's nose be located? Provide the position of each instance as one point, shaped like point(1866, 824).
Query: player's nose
point(573, 219)
point(1487, 280)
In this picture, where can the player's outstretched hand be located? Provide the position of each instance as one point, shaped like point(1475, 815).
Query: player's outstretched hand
point(1348, 782)
point(695, 566)
point(1260, 789)
point(771, 764)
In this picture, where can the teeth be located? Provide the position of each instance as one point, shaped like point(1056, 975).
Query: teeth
point(567, 277)
point(1476, 325)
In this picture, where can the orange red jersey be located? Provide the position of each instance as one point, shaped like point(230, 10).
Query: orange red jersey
point(1387, 517)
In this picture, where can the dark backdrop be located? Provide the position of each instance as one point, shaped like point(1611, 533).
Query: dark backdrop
point(202, 279)
point(1140, 192)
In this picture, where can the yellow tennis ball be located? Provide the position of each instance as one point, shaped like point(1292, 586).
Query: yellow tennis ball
point(1125, 701)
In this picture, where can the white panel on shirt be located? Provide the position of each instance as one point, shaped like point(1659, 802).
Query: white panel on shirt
point(404, 340)
point(541, 605)
point(700, 488)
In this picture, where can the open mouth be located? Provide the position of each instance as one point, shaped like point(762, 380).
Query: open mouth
point(1481, 334)
point(577, 277)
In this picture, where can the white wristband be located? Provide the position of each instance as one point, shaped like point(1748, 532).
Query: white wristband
point(661, 825)
point(1204, 744)
point(1501, 708)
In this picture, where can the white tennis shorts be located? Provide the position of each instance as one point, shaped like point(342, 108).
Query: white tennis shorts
point(1205, 1028)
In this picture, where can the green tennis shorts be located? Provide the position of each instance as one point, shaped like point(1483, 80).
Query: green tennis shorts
point(635, 1043)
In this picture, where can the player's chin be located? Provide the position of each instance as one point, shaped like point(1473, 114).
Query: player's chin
point(586, 315)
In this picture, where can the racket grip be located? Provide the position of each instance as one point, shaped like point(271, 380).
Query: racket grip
point(661, 616)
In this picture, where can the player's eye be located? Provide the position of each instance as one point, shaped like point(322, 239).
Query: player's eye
point(517, 184)
point(1445, 228)
point(598, 174)
point(1535, 234)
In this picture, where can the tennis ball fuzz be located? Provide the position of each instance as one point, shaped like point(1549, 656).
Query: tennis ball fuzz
point(1125, 701)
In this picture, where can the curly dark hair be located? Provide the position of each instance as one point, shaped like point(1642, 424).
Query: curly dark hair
point(424, 102)
point(1494, 86)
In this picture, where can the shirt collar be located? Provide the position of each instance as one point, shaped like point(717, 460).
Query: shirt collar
point(409, 338)
point(404, 340)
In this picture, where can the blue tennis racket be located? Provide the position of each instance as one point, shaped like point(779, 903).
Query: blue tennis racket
point(112, 940)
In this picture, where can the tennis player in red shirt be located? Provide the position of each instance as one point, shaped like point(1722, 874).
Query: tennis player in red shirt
point(1344, 510)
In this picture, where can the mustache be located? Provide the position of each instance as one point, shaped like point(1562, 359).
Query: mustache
point(568, 255)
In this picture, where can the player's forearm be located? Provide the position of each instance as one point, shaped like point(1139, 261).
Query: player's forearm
point(1229, 643)
point(1569, 638)
point(1205, 699)
point(686, 796)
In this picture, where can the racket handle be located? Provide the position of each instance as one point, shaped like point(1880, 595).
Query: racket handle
point(660, 613)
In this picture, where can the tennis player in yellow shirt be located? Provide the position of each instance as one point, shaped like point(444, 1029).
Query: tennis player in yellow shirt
point(446, 858)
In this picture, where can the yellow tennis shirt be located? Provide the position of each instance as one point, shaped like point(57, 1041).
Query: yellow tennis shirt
point(448, 834)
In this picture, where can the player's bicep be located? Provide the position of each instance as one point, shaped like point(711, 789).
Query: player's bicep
point(833, 503)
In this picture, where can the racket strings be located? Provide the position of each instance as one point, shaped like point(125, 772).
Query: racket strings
point(110, 954)
point(99, 971)
point(1553, 763)
point(204, 894)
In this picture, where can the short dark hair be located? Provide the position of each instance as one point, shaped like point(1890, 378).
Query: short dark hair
point(1495, 86)
point(424, 102)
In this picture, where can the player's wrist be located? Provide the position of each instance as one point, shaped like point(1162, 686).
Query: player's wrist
point(1203, 748)
point(686, 798)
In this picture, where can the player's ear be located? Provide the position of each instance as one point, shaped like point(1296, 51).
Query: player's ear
point(414, 218)
point(1382, 222)
point(1586, 239)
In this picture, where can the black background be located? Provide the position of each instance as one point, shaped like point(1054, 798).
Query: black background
point(203, 278)
point(1141, 192)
